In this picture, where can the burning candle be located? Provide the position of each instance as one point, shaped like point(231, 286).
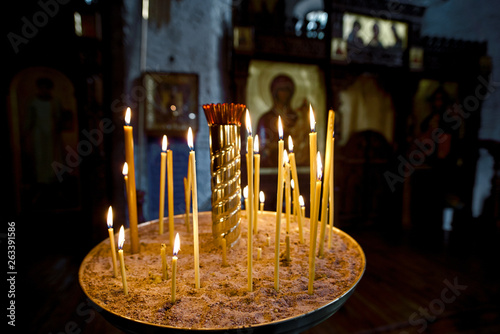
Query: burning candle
point(250, 210)
point(314, 223)
point(192, 162)
point(296, 192)
point(170, 190)
point(112, 241)
point(326, 183)
point(259, 253)
point(131, 189)
point(177, 247)
point(245, 198)
point(121, 241)
point(302, 207)
point(163, 166)
point(164, 269)
point(125, 176)
point(313, 148)
point(279, 206)
point(256, 157)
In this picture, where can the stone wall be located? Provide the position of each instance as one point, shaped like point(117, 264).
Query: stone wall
point(192, 40)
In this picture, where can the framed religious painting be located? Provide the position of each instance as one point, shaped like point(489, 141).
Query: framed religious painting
point(45, 141)
point(287, 90)
point(243, 40)
point(374, 40)
point(171, 103)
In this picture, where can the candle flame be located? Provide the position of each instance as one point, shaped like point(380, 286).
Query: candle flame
point(128, 116)
point(248, 123)
point(110, 217)
point(290, 144)
point(164, 144)
point(177, 244)
point(285, 157)
point(280, 128)
point(312, 120)
point(301, 201)
point(121, 238)
point(190, 139)
point(292, 184)
point(319, 166)
point(125, 169)
point(256, 145)
point(262, 197)
point(245, 192)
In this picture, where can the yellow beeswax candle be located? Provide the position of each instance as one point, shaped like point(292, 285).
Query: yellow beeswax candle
point(293, 167)
point(121, 241)
point(279, 206)
point(332, 193)
point(326, 183)
point(170, 191)
point(256, 157)
point(131, 193)
point(196, 246)
point(287, 191)
point(302, 207)
point(245, 198)
point(250, 201)
point(177, 247)
point(313, 148)
point(314, 224)
point(163, 167)
point(112, 240)
point(187, 197)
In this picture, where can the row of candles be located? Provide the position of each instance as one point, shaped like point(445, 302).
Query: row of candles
point(287, 178)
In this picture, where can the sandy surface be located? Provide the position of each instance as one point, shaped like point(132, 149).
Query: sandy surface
point(223, 300)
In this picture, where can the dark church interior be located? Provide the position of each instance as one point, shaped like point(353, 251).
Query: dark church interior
point(415, 86)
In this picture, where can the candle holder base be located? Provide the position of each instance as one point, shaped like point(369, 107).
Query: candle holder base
point(223, 293)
